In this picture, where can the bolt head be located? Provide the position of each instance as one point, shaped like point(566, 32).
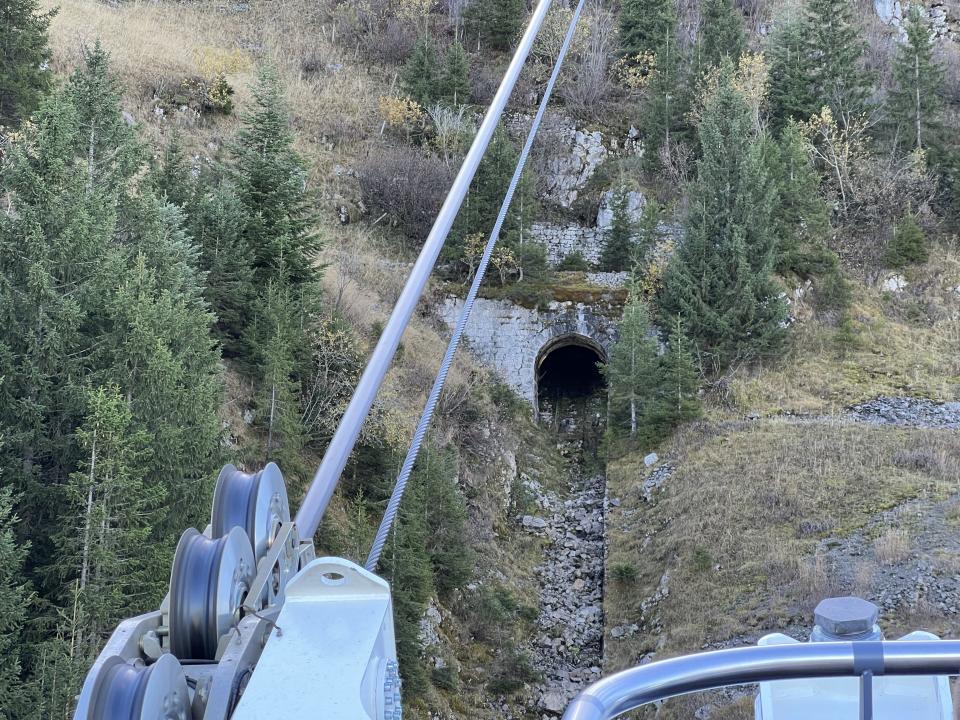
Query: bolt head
point(844, 616)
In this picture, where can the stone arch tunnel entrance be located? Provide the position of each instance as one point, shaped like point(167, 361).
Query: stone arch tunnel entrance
point(567, 369)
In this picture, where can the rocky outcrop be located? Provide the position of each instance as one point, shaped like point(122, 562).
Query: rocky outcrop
point(943, 23)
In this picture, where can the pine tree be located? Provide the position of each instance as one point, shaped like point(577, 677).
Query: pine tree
point(834, 48)
point(14, 596)
point(497, 22)
point(633, 370)
point(791, 84)
point(646, 26)
point(271, 178)
point(916, 100)
point(455, 79)
point(421, 75)
point(24, 56)
point(618, 248)
point(719, 282)
point(722, 33)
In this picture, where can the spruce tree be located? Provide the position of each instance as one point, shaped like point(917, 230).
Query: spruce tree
point(24, 58)
point(648, 232)
point(421, 75)
point(791, 84)
point(719, 282)
point(98, 288)
point(455, 79)
point(618, 247)
point(217, 221)
point(802, 216)
point(633, 370)
point(483, 202)
point(681, 380)
point(451, 557)
point(834, 50)
point(907, 246)
point(664, 112)
point(172, 180)
point(497, 22)
point(915, 101)
point(722, 33)
point(646, 26)
point(14, 596)
point(108, 562)
point(271, 180)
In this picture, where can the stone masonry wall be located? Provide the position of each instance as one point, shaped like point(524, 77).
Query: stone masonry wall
point(508, 338)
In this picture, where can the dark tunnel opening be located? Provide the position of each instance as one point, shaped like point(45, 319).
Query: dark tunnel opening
point(569, 371)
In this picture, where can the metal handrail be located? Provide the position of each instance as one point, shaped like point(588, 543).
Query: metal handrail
point(630, 689)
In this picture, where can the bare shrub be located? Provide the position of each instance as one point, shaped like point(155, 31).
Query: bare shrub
point(406, 185)
point(393, 45)
point(588, 83)
point(892, 547)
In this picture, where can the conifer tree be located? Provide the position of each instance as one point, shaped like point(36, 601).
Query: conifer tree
point(722, 33)
point(916, 100)
point(172, 180)
point(719, 282)
point(277, 341)
point(791, 85)
point(646, 26)
point(483, 202)
point(14, 597)
point(455, 79)
point(271, 178)
point(102, 289)
point(907, 246)
point(802, 216)
point(24, 56)
point(107, 563)
point(446, 515)
point(648, 231)
point(497, 22)
point(834, 51)
point(618, 248)
point(217, 220)
point(633, 370)
point(665, 109)
point(680, 380)
point(421, 75)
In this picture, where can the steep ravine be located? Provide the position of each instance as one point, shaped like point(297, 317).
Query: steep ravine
point(567, 648)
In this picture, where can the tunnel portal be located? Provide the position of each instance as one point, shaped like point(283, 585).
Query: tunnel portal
point(568, 368)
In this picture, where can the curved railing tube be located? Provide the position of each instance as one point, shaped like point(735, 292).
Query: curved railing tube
point(630, 689)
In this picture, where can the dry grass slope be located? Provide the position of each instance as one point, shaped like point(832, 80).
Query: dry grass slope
point(742, 527)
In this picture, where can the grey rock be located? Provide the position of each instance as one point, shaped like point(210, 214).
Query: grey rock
point(533, 522)
point(651, 459)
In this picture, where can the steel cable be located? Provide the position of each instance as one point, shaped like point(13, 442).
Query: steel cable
point(393, 506)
